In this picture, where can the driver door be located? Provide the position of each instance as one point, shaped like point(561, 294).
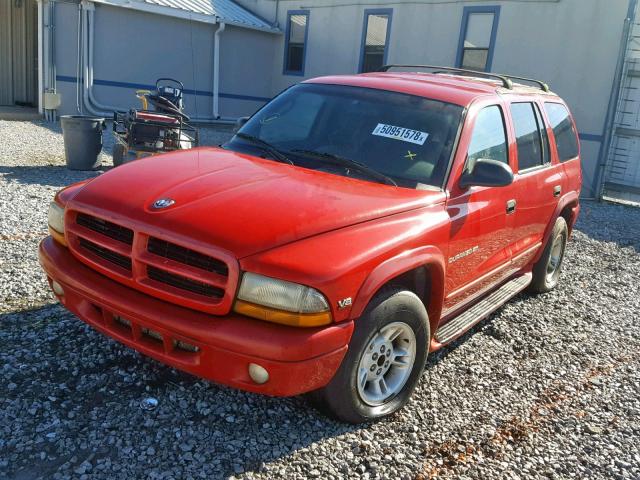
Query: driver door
point(480, 233)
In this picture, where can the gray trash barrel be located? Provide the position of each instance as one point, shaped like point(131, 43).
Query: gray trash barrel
point(82, 141)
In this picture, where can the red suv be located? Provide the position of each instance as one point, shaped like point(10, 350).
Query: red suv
point(352, 225)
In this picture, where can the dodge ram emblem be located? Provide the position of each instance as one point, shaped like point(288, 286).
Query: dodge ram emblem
point(163, 203)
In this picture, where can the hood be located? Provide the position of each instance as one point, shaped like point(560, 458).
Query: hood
point(237, 202)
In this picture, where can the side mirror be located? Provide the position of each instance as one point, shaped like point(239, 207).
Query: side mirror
point(487, 173)
point(240, 123)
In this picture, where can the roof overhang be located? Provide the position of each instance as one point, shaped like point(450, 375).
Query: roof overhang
point(142, 6)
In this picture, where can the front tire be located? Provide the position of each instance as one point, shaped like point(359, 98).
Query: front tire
point(386, 357)
point(546, 271)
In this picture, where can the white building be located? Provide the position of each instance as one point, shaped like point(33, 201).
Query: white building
point(584, 49)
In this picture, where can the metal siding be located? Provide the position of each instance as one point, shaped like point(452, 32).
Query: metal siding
point(227, 10)
point(6, 58)
point(18, 52)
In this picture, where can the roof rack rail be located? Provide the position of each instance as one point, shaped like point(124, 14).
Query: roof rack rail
point(506, 83)
point(505, 79)
point(543, 86)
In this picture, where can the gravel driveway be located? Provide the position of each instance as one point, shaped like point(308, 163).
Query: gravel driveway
point(549, 386)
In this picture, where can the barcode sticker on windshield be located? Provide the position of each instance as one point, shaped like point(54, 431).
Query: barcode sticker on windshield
point(400, 133)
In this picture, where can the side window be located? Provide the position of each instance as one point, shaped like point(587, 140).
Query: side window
point(375, 39)
point(528, 137)
point(295, 42)
point(563, 131)
point(489, 139)
point(546, 150)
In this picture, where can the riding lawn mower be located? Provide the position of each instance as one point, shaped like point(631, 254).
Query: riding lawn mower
point(140, 133)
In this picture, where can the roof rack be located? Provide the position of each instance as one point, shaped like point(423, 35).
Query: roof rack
point(505, 79)
point(543, 86)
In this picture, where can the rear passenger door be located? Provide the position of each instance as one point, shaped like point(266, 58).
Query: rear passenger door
point(538, 181)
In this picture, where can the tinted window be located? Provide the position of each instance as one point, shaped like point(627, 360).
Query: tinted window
point(405, 137)
point(563, 131)
point(375, 41)
point(527, 136)
point(488, 140)
point(295, 43)
point(546, 151)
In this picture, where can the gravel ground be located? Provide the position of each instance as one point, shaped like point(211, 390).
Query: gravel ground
point(548, 387)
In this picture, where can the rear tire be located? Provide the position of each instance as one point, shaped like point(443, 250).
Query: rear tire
point(546, 271)
point(386, 357)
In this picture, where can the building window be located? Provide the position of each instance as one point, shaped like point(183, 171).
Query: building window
point(296, 42)
point(477, 38)
point(375, 39)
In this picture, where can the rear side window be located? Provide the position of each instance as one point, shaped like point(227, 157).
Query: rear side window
point(526, 123)
point(546, 150)
point(563, 131)
point(489, 140)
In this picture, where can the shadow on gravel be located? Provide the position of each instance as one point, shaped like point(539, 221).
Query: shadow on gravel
point(611, 223)
point(72, 397)
point(50, 175)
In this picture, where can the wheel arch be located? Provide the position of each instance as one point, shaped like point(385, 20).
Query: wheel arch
point(568, 207)
point(420, 270)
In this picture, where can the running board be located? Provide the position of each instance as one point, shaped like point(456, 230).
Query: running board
point(468, 318)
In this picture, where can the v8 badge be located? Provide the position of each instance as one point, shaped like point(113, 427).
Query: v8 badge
point(344, 303)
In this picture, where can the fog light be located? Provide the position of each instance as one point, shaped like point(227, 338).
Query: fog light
point(57, 288)
point(258, 374)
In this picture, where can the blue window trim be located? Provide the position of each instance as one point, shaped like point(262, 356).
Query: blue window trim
point(375, 11)
point(286, 43)
point(495, 9)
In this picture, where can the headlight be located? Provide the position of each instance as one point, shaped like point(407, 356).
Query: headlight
point(56, 222)
point(280, 301)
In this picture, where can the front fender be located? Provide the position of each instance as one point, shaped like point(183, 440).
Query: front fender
point(430, 257)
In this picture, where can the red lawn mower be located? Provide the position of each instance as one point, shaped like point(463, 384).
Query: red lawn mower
point(140, 133)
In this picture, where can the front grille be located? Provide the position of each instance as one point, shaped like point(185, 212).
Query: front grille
point(111, 230)
point(186, 256)
point(203, 279)
point(106, 254)
point(184, 283)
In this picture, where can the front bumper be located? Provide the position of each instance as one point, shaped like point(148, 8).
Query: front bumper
point(298, 359)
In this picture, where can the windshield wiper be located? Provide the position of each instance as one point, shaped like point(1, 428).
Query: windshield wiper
point(347, 162)
point(266, 146)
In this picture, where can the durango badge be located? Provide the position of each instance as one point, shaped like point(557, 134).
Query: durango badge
point(163, 203)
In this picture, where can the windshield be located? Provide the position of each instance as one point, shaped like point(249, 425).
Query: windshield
point(406, 138)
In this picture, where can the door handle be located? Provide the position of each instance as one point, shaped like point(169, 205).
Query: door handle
point(557, 190)
point(511, 207)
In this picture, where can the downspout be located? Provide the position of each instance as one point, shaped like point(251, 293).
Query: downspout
point(40, 59)
point(90, 47)
point(87, 69)
point(79, 60)
point(53, 86)
point(216, 71)
point(94, 107)
point(603, 155)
